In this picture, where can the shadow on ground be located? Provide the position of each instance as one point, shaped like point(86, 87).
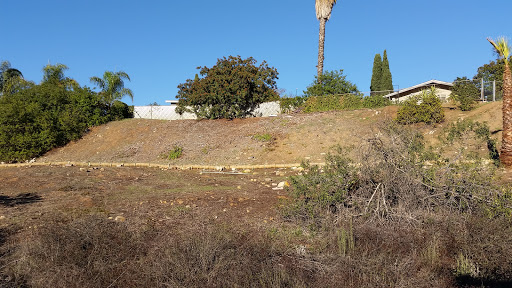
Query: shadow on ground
point(21, 199)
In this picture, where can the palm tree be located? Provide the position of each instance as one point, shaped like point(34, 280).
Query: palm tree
point(112, 86)
point(8, 75)
point(502, 48)
point(323, 13)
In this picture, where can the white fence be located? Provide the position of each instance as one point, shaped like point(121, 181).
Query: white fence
point(169, 112)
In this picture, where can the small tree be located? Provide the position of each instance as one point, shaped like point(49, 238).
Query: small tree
point(232, 88)
point(331, 83)
point(386, 80)
point(376, 74)
point(465, 92)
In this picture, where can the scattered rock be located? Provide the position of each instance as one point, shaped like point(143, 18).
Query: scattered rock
point(247, 171)
point(120, 219)
point(2, 217)
point(268, 179)
point(239, 187)
point(84, 170)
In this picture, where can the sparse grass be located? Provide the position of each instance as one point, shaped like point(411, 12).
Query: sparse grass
point(174, 153)
point(265, 137)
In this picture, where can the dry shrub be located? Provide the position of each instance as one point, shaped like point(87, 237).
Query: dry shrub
point(98, 252)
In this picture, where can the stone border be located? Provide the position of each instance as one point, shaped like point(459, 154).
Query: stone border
point(154, 165)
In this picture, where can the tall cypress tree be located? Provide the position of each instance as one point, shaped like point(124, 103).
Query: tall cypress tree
point(376, 74)
point(386, 81)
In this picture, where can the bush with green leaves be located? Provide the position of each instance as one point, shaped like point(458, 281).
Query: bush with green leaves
point(375, 101)
point(465, 93)
point(39, 118)
point(288, 104)
point(330, 83)
point(425, 107)
point(232, 88)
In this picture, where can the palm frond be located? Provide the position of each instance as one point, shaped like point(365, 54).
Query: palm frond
point(98, 82)
point(324, 8)
point(501, 47)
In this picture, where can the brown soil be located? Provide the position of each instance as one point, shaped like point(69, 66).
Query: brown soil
point(295, 137)
point(32, 196)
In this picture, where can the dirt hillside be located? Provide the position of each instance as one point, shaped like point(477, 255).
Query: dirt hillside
point(294, 137)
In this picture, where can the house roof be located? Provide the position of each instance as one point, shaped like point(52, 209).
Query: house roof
point(429, 83)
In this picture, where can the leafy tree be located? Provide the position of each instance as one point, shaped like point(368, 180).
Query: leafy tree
point(55, 74)
point(323, 13)
point(493, 71)
point(9, 77)
point(329, 83)
point(465, 92)
point(386, 80)
point(376, 74)
point(502, 48)
point(232, 88)
point(382, 82)
point(112, 86)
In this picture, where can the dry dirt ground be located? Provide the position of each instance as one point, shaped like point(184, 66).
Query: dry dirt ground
point(294, 137)
point(28, 195)
point(39, 195)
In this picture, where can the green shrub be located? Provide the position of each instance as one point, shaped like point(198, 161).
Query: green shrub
point(288, 104)
point(375, 101)
point(175, 153)
point(41, 117)
point(425, 107)
point(332, 103)
point(232, 88)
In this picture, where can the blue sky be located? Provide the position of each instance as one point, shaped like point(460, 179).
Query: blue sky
point(159, 43)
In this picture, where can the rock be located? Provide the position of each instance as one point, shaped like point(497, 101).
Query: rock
point(268, 179)
point(119, 165)
point(84, 170)
point(2, 217)
point(239, 187)
point(247, 171)
point(283, 184)
point(277, 188)
point(120, 219)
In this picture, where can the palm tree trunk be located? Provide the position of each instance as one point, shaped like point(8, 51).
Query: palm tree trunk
point(506, 146)
point(321, 43)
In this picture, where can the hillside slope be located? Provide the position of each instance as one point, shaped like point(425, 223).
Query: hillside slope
point(222, 142)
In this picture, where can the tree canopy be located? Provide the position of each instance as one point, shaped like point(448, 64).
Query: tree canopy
point(329, 83)
point(9, 77)
point(382, 81)
point(232, 88)
point(37, 118)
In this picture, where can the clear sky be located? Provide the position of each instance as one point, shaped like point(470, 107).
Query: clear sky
point(160, 43)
